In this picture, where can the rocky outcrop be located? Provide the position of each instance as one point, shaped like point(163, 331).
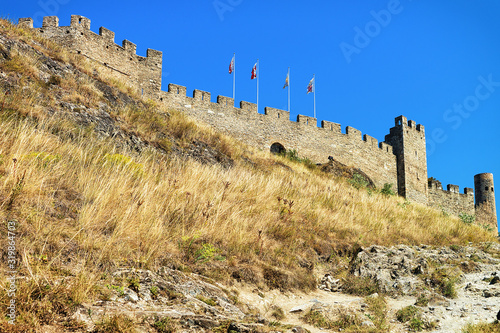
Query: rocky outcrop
point(469, 273)
point(406, 269)
point(149, 297)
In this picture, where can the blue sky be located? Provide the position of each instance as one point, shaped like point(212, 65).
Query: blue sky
point(437, 63)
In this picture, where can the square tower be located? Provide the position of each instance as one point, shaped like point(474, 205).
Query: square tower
point(408, 142)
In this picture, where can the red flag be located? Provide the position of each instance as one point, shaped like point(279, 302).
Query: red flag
point(310, 87)
point(231, 66)
point(254, 71)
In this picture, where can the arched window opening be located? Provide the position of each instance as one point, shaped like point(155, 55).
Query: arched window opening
point(278, 148)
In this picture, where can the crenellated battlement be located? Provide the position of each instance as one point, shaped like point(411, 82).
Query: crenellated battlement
point(306, 120)
point(107, 34)
point(79, 21)
point(400, 159)
point(25, 23)
point(143, 73)
point(176, 96)
point(451, 189)
point(276, 114)
point(403, 122)
point(450, 200)
point(329, 126)
point(50, 22)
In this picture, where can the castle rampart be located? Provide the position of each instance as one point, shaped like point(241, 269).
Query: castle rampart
point(400, 160)
point(451, 200)
point(275, 126)
point(143, 73)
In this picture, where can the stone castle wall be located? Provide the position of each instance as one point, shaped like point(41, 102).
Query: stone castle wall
point(400, 160)
point(376, 159)
point(141, 72)
point(451, 200)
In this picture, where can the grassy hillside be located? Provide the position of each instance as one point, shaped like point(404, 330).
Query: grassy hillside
point(96, 178)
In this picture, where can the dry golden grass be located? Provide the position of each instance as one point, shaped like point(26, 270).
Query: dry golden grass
point(85, 207)
point(139, 207)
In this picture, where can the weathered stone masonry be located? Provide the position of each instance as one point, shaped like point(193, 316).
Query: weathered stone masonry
point(400, 160)
point(262, 130)
point(144, 73)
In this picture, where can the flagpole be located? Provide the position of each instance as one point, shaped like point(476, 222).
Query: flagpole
point(234, 79)
point(258, 74)
point(288, 89)
point(314, 91)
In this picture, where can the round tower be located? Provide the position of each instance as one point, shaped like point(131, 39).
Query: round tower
point(485, 198)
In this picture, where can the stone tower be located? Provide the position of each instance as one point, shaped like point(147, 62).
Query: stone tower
point(408, 142)
point(485, 199)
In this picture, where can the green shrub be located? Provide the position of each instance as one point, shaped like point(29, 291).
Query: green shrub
point(487, 227)
point(467, 218)
point(358, 181)
point(293, 156)
point(359, 286)
point(413, 316)
point(165, 325)
point(347, 320)
point(482, 328)
point(448, 288)
point(115, 324)
point(43, 159)
point(422, 300)
point(378, 313)
point(133, 283)
point(387, 190)
point(407, 313)
point(416, 324)
point(278, 313)
point(317, 319)
point(444, 280)
point(155, 291)
point(208, 252)
point(209, 301)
